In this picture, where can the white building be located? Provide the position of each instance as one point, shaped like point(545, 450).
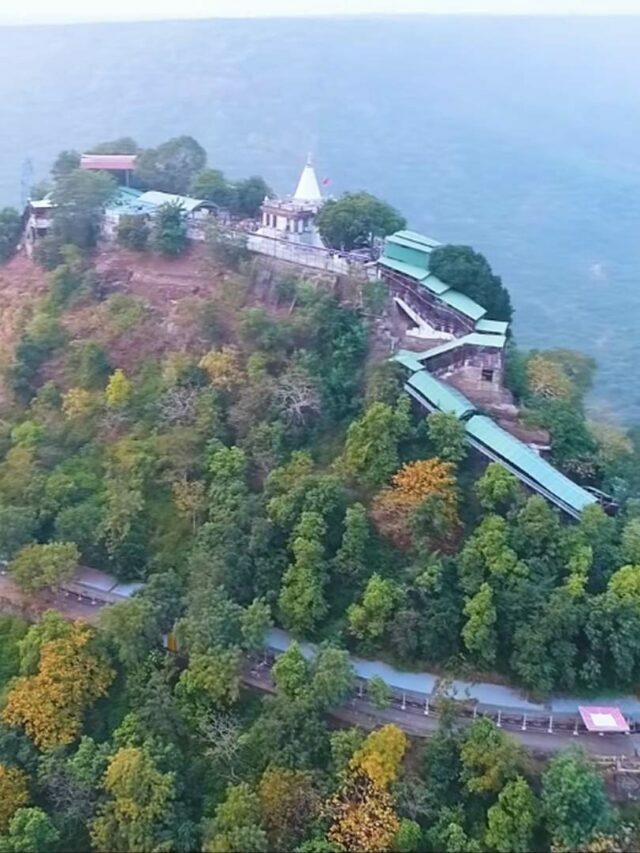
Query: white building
point(39, 220)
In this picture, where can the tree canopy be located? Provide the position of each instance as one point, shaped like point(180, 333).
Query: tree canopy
point(469, 272)
point(354, 220)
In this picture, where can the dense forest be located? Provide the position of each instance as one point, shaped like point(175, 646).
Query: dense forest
point(269, 469)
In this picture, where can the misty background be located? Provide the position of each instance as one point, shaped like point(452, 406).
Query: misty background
point(518, 136)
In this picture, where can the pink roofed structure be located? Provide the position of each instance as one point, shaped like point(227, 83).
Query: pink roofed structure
point(603, 718)
point(108, 162)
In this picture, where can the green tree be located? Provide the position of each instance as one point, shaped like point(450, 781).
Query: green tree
point(92, 365)
point(408, 838)
point(30, 831)
point(370, 619)
point(379, 692)
point(470, 273)
point(12, 631)
point(210, 679)
point(79, 199)
point(511, 821)
point(574, 800)
point(133, 629)
point(479, 632)
point(236, 826)
point(169, 229)
point(631, 541)
point(572, 445)
point(138, 805)
point(332, 677)
point(372, 446)
point(38, 566)
point(10, 231)
point(353, 558)
point(171, 166)
point(497, 489)
point(355, 220)
point(65, 163)
point(489, 758)
point(255, 621)
point(447, 435)
point(249, 195)
point(211, 185)
point(302, 601)
point(291, 673)
point(133, 232)
point(18, 526)
point(121, 145)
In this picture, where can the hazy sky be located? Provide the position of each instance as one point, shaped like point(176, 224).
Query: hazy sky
point(63, 11)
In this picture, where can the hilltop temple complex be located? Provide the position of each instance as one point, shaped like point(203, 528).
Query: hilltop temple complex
point(453, 352)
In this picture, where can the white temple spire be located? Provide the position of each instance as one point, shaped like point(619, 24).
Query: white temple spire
point(308, 188)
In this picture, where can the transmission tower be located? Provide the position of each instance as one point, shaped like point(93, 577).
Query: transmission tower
point(26, 181)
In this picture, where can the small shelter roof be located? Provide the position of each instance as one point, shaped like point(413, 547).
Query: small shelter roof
point(473, 339)
point(108, 162)
point(463, 304)
point(603, 718)
point(45, 203)
point(188, 204)
point(438, 394)
point(492, 327)
point(404, 268)
point(415, 237)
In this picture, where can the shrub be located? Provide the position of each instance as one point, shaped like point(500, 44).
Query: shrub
point(133, 232)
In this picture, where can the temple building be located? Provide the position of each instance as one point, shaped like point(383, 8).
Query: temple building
point(293, 218)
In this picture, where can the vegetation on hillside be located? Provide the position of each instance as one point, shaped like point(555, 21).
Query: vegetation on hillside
point(266, 471)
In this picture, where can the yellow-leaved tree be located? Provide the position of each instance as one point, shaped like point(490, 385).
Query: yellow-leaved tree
point(13, 793)
point(50, 704)
point(380, 755)
point(223, 368)
point(118, 391)
point(78, 403)
point(546, 378)
point(139, 802)
point(427, 486)
point(362, 813)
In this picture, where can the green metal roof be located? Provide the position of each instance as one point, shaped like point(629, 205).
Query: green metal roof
point(438, 394)
point(474, 340)
point(405, 269)
point(407, 253)
point(526, 460)
point(414, 237)
point(408, 359)
point(126, 200)
point(497, 327)
point(435, 285)
point(464, 304)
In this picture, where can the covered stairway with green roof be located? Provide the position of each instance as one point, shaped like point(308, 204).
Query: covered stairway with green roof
point(492, 441)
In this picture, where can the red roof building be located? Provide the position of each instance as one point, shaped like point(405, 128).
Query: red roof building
point(108, 162)
point(603, 718)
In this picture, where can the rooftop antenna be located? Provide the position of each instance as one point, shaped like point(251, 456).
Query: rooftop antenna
point(26, 181)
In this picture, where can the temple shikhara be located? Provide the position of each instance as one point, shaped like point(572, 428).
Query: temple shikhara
point(293, 218)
